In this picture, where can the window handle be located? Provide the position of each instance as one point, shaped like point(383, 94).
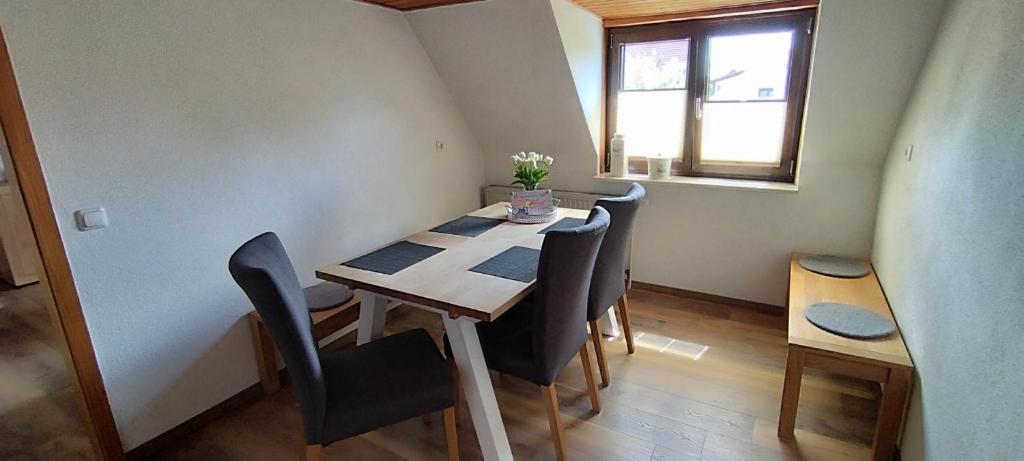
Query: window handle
point(700, 109)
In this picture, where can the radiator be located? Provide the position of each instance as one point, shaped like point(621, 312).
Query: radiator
point(575, 200)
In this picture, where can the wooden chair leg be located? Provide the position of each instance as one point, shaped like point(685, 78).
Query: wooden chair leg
point(458, 386)
point(602, 363)
point(450, 434)
point(313, 452)
point(551, 404)
point(626, 329)
point(588, 371)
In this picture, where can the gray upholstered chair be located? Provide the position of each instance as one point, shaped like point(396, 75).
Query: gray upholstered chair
point(352, 391)
point(608, 285)
point(535, 341)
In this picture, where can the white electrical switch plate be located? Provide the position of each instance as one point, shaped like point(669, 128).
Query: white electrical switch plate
point(91, 218)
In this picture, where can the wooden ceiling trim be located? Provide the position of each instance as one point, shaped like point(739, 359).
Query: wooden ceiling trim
point(631, 8)
point(617, 13)
point(409, 5)
point(749, 8)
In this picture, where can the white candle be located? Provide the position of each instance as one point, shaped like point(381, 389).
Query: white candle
point(659, 167)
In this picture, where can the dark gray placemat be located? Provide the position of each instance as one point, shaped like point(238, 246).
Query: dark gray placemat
point(393, 258)
point(516, 263)
point(835, 266)
point(325, 296)
point(849, 321)
point(564, 223)
point(468, 226)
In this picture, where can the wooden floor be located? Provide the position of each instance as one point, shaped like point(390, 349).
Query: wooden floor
point(705, 383)
point(39, 417)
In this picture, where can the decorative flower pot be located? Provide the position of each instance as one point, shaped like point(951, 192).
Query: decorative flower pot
point(532, 206)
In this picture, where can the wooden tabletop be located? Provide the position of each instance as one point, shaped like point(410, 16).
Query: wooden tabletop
point(806, 288)
point(443, 281)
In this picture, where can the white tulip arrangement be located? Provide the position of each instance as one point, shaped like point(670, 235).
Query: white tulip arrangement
point(531, 169)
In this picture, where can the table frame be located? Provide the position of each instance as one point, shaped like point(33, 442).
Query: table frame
point(469, 357)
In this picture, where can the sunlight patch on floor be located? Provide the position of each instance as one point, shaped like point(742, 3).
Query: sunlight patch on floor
point(670, 345)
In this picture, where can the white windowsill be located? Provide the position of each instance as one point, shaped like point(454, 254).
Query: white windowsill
point(705, 182)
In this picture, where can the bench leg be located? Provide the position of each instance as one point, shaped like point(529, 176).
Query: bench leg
point(791, 392)
point(890, 413)
point(266, 358)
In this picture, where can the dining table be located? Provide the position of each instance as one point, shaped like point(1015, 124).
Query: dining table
point(447, 280)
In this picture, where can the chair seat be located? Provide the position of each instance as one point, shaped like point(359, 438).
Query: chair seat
point(383, 382)
point(508, 343)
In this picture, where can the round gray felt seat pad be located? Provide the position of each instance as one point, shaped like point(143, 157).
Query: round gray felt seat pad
point(835, 266)
point(849, 321)
point(326, 296)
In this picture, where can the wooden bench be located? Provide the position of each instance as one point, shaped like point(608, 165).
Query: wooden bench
point(882, 360)
point(325, 323)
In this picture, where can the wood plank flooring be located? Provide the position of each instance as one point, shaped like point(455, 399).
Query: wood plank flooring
point(704, 384)
point(39, 417)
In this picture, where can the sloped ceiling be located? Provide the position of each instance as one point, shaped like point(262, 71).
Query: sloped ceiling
point(505, 65)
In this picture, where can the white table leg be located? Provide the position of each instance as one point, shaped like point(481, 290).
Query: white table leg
point(483, 406)
point(373, 310)
point(608, 324)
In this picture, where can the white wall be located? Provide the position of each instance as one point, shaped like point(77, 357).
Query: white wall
point(200, 124)
point(948, 248)
point(500, 60)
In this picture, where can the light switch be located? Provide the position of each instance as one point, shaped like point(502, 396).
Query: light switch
point(91, 218)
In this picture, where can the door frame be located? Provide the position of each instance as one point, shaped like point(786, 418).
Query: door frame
point(56, 278)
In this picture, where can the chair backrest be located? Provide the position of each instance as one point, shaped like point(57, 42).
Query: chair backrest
point(263, 271)
point(563, 280)
point(609, 281)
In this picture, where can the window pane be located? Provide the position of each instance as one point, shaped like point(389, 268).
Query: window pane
point(652, 122)
point(743, 132)
point(655, 65)
point(749, 67)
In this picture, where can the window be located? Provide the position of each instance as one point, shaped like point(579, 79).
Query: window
point(722, 97)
